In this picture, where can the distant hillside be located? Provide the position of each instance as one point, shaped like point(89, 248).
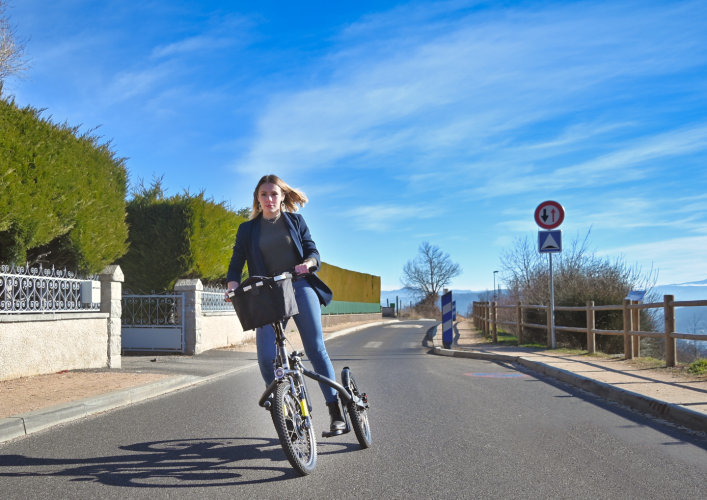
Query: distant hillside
point(463, 298)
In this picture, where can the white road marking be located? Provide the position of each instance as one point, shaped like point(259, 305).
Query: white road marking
point(404, 326)
point(374, 344)
point(412, 345)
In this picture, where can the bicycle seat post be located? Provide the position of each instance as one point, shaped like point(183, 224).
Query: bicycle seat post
point(280, 340)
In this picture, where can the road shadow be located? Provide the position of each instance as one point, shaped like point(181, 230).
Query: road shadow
point(184, 463)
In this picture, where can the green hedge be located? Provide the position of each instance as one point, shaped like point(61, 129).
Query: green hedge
point(63, 192)
point(184, 236)
point(350, 286)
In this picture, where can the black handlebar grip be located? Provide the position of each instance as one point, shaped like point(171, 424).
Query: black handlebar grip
point(312, 269)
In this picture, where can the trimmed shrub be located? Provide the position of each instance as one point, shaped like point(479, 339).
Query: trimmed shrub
point(350, 286)
point(184, 236)
point(63, 193)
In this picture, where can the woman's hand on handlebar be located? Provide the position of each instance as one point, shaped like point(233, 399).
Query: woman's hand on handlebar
point(232, 285)
point(306, 267)
point(302, 269)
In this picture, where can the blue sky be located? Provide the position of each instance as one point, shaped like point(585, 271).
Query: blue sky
point(403, 122)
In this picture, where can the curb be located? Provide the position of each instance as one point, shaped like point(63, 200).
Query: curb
point(35, 421)
point(669, 411)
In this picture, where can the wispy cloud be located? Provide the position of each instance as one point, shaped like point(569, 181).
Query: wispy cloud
point(200, 43)
point(678, 259)
point(629, 162)
point(476, 85)
point(382, 218)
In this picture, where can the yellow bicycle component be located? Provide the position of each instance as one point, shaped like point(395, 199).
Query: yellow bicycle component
point(303, 405)
point(284, 409)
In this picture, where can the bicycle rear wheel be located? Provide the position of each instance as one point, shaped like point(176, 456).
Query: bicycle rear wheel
point(294, 429)
point(357, 415)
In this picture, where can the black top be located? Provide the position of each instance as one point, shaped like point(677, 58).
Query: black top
point(276, 247)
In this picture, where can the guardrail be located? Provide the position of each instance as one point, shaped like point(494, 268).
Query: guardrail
point(485, 317)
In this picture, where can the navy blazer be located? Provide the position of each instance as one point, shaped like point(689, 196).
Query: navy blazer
point(247, 249)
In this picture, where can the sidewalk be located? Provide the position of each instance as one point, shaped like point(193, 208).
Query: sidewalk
point(31, 404)
point(658, 391)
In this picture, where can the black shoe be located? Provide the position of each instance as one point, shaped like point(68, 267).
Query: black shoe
point(337, 421)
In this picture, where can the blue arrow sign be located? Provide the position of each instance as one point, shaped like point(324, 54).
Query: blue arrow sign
point(550, 241)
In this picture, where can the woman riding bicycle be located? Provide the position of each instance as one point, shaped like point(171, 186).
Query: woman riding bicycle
point(273, 241)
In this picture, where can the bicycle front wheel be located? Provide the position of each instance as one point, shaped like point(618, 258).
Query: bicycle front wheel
point(294, 429)
point(357, 415)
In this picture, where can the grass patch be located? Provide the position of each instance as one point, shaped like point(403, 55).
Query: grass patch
point(505, 338)
point(535, 346)
point(698, 367)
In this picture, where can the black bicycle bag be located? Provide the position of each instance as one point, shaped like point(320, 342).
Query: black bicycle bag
point(261, 301)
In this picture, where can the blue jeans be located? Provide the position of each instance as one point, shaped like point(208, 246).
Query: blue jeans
point(309, 324)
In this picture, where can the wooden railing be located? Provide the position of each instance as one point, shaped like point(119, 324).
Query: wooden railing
point(485, 318)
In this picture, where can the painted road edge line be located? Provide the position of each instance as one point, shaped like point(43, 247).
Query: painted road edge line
point(668, 411)
point(333, 335)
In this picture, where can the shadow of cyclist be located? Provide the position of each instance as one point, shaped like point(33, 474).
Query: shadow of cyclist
point(175, 463)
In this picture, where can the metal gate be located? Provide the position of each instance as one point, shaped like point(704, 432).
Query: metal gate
point(153, 322)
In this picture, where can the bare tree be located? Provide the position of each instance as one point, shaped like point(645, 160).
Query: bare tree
point(12, 49)
point(428, 273)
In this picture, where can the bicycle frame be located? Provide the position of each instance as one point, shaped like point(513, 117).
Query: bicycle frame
point(283, 369)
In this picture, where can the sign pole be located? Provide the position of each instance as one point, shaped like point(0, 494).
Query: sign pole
point(549, 215)
point(551, 326)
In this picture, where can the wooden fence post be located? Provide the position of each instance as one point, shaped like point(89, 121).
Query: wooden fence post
point(494, 319)
point(487, 318)
point(519, 321)
point(628, 342)
point(636, 328)
point(671, 357)
point(549, 323)
point(591, 325)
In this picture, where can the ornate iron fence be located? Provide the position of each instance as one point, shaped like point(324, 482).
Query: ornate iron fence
point(25, 289)
point(212, 300)
point(154, 310)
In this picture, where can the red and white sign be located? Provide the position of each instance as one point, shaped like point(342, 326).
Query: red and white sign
point(549, 215)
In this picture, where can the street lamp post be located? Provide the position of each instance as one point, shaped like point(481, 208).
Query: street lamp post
point(494, 286)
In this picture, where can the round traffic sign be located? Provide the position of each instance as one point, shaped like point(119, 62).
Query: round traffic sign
point(549, 215)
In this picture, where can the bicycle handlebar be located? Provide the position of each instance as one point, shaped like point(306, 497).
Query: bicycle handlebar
point(293, 275)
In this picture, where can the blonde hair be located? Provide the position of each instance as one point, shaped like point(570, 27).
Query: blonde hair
point(292, 196)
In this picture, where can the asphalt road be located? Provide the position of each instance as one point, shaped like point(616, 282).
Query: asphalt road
point(442, 428)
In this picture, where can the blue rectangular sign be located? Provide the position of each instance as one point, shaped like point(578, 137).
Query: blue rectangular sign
point(447, 330)
point(550, 241)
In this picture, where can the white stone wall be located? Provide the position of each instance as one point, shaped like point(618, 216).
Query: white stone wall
point(35, 344)
point(222, 328)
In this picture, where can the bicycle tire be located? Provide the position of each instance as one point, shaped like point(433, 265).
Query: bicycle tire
point(298, 442)
point(358, 417)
